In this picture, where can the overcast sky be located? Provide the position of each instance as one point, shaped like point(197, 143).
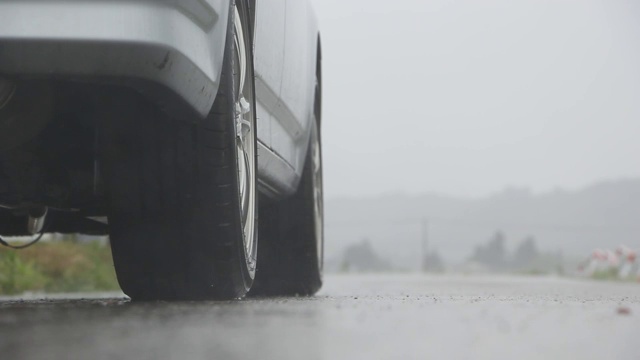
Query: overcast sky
point(468, 97)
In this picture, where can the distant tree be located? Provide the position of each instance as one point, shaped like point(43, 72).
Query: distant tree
point(526, 253)
point(361, 257)
point(432, 262)
point(493, 254)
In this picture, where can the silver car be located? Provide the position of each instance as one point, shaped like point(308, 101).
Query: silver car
point(184, 129)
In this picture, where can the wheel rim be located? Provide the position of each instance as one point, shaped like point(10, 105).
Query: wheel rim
point(318, 205)
point(245, 141)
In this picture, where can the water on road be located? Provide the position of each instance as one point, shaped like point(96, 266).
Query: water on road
point(353, 317)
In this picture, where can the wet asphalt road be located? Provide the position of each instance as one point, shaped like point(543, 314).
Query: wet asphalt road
point(354, 317)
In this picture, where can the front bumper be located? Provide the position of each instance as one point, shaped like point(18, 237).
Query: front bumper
point(171, 50)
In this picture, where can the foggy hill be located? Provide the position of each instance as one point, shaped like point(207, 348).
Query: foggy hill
point(575, 222)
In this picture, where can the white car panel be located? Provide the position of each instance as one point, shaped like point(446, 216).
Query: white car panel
point(269, 56)
point(298, 85)
point(172, 52)
point(175, 43)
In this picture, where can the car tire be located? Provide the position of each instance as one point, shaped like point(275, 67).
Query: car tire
point(291, 254)
point(179, 224)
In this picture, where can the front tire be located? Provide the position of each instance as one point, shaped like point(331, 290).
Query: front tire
point(290, 261)
point(183, 201)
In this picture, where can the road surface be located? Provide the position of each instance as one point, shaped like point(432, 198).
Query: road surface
point(354, 317)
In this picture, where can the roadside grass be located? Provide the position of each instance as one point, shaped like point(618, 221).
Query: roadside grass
point(612, 275)
point(608, 274)
point(57, 266)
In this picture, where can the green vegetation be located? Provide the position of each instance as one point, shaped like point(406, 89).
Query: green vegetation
point(57, 266)
point(606, 274)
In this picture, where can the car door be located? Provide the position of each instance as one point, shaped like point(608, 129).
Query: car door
point(290, 128)
point(269, 62)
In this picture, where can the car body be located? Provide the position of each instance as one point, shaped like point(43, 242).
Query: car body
point(171, 50)
point(97, 95)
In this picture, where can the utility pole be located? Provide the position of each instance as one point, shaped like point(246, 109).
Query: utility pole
point(424, 241)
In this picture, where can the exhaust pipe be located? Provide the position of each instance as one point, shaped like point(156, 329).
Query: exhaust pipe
point(7, 89)
point(37, 217)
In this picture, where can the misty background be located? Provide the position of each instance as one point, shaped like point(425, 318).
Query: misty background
point(480, 116)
